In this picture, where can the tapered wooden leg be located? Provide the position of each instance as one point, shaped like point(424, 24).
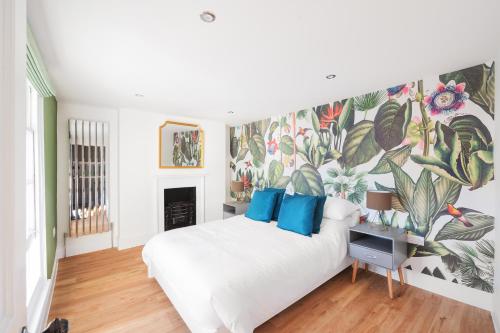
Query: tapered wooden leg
point(389, 282)
point(354, 270)
point(366, 267)
point(401, 277)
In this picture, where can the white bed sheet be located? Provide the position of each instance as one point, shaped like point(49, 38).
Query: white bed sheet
point(238, 273)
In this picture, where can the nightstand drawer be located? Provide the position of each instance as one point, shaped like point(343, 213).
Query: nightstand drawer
point(371, 256)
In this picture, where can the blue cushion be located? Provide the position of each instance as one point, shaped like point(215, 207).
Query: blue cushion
point(296, 214)
point(318, 212)
point(279, 200)
point(262, 206)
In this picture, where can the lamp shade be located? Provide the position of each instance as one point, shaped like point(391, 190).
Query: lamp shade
point(236, 186)
point(379, 200)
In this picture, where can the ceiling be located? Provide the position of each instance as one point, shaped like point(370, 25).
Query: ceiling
point(259, 58)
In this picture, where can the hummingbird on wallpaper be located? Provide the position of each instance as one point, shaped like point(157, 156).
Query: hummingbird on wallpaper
point(458, 215)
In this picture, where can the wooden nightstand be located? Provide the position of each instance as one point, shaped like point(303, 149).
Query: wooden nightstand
point(233, 208)
point(372, 244)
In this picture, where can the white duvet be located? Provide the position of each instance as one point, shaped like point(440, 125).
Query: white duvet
point(238, 273)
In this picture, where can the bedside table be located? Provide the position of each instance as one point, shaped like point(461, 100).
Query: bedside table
point(233, 208)
point(372, 244)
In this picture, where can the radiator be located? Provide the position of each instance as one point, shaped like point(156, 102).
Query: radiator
point(88, 177)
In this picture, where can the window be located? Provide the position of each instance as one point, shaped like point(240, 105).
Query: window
point(35, 251)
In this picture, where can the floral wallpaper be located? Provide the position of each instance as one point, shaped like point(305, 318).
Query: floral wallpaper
point(187, 148)
point(429, 142)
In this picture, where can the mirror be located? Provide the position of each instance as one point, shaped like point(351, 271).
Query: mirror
point(181, 145)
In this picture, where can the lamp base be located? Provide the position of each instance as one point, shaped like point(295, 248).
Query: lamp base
point(380, 222)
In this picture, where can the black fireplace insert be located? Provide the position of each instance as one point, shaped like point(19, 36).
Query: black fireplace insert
point(179, 207)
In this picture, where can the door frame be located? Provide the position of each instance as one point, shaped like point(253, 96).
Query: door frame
point(12, 167)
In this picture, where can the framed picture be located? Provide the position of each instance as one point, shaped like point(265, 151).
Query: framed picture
point(181, 145)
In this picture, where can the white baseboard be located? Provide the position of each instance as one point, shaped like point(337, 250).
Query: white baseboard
point(59, 252)
point(88, 243)
point(444, 288)
point(41, 315)
point(48, 303)
point(126, 242)
point(496, 321)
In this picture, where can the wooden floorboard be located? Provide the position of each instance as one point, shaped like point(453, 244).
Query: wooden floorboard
point(109, 291)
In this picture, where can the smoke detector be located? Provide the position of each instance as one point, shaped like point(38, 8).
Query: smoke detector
point(207, 17)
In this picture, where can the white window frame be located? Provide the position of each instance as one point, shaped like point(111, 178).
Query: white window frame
point(35, 303)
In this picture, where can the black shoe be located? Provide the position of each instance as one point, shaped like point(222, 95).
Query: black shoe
point(58, 325)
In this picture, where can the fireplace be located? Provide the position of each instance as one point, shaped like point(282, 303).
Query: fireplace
point(179, 182)
point(179, 207)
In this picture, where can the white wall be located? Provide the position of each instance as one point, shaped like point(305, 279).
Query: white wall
point(138, 171)
point(66, 111)
point(133, 173)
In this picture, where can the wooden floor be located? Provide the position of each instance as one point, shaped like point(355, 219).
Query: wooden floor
point(109, 291)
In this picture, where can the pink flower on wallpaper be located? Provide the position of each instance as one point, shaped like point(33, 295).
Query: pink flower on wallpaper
point(446, 98)
point(272, 146)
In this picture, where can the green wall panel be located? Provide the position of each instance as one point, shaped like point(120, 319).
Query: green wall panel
point(50, 143)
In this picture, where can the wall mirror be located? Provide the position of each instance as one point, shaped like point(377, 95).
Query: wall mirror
point(181, 145)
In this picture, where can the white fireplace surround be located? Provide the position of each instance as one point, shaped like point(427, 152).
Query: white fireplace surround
point(176, 181)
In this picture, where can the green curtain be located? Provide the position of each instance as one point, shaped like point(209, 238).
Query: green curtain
point(36, 71)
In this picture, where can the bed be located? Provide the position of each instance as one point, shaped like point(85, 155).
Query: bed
point(235, 274)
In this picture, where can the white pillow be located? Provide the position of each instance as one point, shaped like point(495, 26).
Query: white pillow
point(338, 209)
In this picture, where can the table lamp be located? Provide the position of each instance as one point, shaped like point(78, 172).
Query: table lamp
point(237, 187)
point(379, 200)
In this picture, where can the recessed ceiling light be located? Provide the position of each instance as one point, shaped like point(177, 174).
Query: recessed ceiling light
point(207, 17)
point(331, 76)
point(230, 112)
point(139, 95)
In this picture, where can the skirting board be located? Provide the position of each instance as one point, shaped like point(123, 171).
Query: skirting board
point(48, 294)
point(448, 289)
point(48, 303)
point(126, 242)
point(496, 321)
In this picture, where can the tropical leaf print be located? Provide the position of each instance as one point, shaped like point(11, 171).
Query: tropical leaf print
point(405, 187)
point(476, 265)
point(302, 114)
point(360, 145)
point(461, 154)
point(242, 154)
point(275, 172)
point(391, 123)
point(272, 128)
point(399, 156)
point(422, 141)
point(424, 202)
point(347, 184)
point(456, 229)
point(346, 118)
point(369, 101)
point(233, 149)
point(307, 180)
point(447, 192)
point(286, 144)
point(257, 149)
point(430, 248)
point(479, 84)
